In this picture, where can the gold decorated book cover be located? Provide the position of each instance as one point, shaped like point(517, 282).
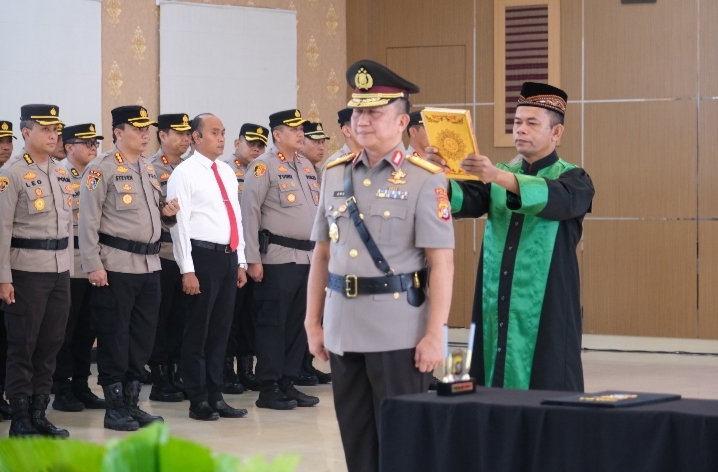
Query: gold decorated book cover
point(452, 133)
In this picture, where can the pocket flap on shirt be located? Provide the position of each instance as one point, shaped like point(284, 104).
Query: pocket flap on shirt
point(387, 211)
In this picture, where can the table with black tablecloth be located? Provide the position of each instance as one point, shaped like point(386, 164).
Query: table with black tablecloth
point(496, 430)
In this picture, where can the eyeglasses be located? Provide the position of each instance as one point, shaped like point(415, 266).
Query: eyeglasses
point(87, 142)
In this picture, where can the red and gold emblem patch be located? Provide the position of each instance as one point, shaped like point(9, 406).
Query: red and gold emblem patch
point(260, 169)
point(93, 179)
point(4, 184)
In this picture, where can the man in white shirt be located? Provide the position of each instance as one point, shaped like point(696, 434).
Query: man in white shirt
point(209, 250)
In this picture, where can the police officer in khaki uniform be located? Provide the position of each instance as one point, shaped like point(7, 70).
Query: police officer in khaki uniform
point(418, 139)
point(281, 193)
point(174, 136)
point(313, 146)
point(350, 143)
point(74, 358)
point(59, 152)
point(6, 137)
point(35, 268)
point(119, 234)
point(250, 144)
point(384, 222)
point(6, 147)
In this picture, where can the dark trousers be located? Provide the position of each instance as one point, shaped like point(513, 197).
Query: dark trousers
point(241, 336)
point(360, 381)
point(75, 355)
point(281, 301)
point(124, 316)
point(3, 352)
point(168, 340)
point(209, 319)
point(35, 326)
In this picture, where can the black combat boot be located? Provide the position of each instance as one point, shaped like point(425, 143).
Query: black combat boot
point(202, 411)
point(65, 400)
point(21, 425)
point(175, 376)
point(270, 396)
point(226, 411)
point(305, 379)
point(83, 393)
point(40, 421)
point(5, 412)
point(231, 382)
point(286, 385)
point(162, 389)
point(117, 416)
point(245, 372)
point(131, 392)
point(308, 367)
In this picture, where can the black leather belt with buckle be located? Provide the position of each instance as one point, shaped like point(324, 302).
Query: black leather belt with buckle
point(352, 286)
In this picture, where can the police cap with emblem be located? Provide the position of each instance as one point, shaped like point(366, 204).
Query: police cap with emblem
point(375, 85)
point(175, 121)
point(546, 96)
point(291, 118)
point(83, 131)
point(6, 129)
point(415, 119)
point(345, 116)
point(314, 131)
point(132, 114)
point(42, 114)
point(252, 132)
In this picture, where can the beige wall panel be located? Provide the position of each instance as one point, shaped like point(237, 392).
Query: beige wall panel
point(640, 278)
point(570, 147)
point(708, 160)
point(640, 51)
point(709, 48)
point(642, 158)
point(484, 124)
point(571, 39)
point(485, 52)
point(426, 66)
point(708, 279)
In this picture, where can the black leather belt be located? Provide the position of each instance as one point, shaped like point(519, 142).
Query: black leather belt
point(134, 247)
point(76, 241)
point(213, 246)
point(291, 243)
point(351, 285)
point(165, 237)
point(44, 244)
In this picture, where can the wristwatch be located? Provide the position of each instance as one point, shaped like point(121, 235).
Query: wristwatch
point(243, 265)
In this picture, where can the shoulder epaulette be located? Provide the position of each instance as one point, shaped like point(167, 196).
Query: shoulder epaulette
point(424, 164)
point(28, 159)
point(340, 160)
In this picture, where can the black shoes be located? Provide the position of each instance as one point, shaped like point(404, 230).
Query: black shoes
point(175, 377)
point(202, 412)
point(308, 367)
point(270, 396)
point(83, 393)
point(162, 389)
point(40, 421)
point(21, 425)
point(65, 400)
point(226, 411)
point(305, 379)
point(231, 382)
point(117, 415)
point(245, 372)
point(287, 387)
point(131, 392)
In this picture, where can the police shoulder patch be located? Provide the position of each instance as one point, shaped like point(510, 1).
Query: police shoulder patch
point(426, 165)
point(340, 160)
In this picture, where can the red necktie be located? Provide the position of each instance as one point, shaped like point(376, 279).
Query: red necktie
point(234, 234)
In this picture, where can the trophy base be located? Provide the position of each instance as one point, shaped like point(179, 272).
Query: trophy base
point(457, 387)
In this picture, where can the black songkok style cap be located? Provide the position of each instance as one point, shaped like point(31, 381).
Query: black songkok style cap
point(6, 129)
point(415, 119)
point(345, 115)
point(175, 121)
point(133, 114)
point(314, 131)
point(291, 118)
point(534, 94)
point(83, 131)
point(252, 132)
point(43, 114)
point(376, 85)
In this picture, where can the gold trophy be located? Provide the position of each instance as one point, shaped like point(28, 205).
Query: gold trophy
point(457, 365)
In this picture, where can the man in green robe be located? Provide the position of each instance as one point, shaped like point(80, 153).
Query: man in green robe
point(527, 305)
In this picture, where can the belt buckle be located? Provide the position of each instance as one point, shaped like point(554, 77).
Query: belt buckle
point(351, 199)
point(347, 286)
point(227, 249)
point(417, 283)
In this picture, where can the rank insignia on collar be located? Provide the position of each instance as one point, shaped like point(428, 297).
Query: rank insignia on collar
point(397, 177)
point(30, 176)
point(164, 160)
point(392, 193)
point(61, 171)
point(74, 172)
point(28, 159)
point(119, 158)
point(281, 157)
point(122, 169)
point(397, 158)
point(237, 163)
point(165, 176)
point(282, 169)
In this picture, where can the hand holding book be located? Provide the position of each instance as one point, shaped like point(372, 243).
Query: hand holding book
point(451, 132)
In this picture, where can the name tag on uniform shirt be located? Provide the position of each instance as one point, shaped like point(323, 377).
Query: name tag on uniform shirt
point(339, 193)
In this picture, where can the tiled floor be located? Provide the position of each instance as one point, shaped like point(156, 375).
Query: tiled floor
point(312, 433)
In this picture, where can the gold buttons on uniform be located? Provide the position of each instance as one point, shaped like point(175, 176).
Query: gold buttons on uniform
point(335, 213)
point(342, 208)
point(361, 215)
point(387, 214)
point(367, 182)
point(396, 294)
point(353, 253)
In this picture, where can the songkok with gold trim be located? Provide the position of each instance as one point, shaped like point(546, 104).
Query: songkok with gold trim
point(175, 121)
point(534, 94)
point(83, 131)
point(314, 131)
point(291, 118)
point(43, 114)
point(135, 115)
point(376, 85)
point(6, 129)
point(252, 132)
point(345, 116)
point(415, 119)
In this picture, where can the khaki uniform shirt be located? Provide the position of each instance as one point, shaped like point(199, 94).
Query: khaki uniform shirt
point(119, 201)
point(340, 153)
point(280, 195)
point(163, 170)
point(240, 171)
point(34, 204)
point(76, 182)
point(404, 217)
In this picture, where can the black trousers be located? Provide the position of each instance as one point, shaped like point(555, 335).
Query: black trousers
point(3, 351)
point(360, 381)
point(281, 302)
point(242, 337)
point(209, 319)
point(124, 316)
point(35, 326)
point(168, 340)
point(75, 355)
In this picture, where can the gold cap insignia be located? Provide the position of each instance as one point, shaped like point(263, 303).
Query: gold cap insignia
point(4, 126)
point(363, 80)
point(185, 120)
point(53, 112)
point(143, 113)
point(319, 128)
point(296, 113)
point(259, 130)
point(92, 128)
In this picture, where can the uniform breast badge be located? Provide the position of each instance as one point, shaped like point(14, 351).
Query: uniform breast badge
point(334, 231)
point(397, 177)
point(29, 176)
point(393, 193)
point(127, 187)
point(122, 169)
point(282, 169)
point(40, 204)
point(127, 199)
point(291, 198)
point(38, 191)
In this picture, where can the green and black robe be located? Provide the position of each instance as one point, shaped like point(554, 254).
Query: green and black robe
point(527, 305)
